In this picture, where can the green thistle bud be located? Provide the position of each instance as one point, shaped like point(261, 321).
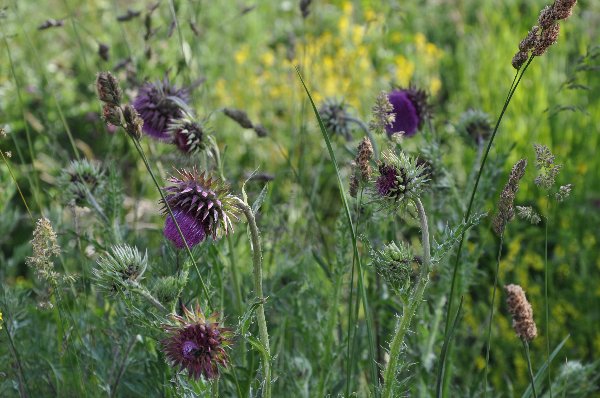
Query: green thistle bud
point(123, 268)
point(81, 179)
point(395, 264)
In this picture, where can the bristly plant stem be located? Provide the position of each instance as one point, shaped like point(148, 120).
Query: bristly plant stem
point(513, 88)
point(489, 331)
point(187, 247)
point(260, 311)
point(546, 299)
point(526, 345)
point(403, 324)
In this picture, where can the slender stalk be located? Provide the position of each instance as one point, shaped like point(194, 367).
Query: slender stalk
point(403, 323)
point(234, 276)
point(20, 373)
point(526, 345)
point(113, 389)
point(546, 299)
point(513, 88)
point(16, 184)
point(489, 331)
point(187, 247)
point(260, 311)
point(148, 296)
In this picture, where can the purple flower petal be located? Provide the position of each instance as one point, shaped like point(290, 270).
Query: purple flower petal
point(407, 118)
point(192, 229)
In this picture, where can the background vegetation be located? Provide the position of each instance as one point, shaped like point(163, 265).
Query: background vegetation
point(242, 55)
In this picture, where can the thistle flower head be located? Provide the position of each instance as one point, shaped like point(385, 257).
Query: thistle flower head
point(197, 344)
point(201, 205)
point(188, 135)
point(521, 312)
point(476, 124)
point(505, 208)
point(123, 266)
point(410, 109)
point(334, 114)
point(158, 104)
point(399, 178)
point(79, 178)
point(394, 264)
point(383, 115)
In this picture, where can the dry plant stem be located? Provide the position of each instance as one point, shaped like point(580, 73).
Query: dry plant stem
point(202, 284)
point(260, 311)
point(489, 331)
point(403, 324)
point(526, 345)
point(513, 88)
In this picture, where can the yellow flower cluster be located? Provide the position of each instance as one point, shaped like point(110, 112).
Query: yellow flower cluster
point(348, 59)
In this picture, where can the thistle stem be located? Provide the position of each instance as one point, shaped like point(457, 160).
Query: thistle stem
point(489, 331)
point(260, 311)
point(403, 323)
point(546, 299)
point(187, 247)
point(526, 345)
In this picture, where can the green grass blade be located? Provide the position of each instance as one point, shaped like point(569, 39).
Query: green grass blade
point(542, 371)
point(361, 286)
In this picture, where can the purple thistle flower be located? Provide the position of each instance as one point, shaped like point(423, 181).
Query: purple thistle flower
point(410, 111)
point(388, 183)
point(201, 207)
point(197, 344)
point(158, 104)
point(399, 178)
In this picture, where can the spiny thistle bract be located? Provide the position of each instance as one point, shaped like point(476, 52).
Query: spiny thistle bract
point(394, 264)
point(80, 177)
point(334, 114)
point(201, 205)
point(117, 270)
point(189, 136)
point(411, 109)
point(475, 124)
point(197, 344)
point(158, 104)
point(399, 179)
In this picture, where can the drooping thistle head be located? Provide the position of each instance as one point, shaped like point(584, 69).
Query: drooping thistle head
point(395, 264)
point(521, 311)
point(188, 135)
point(197, 344)
point(334, 114)
point(476, 125)
point(117, 270)
point(80, 179)
point(159, 104)
point(201, 205)
point(410, 109)
point(399, 179)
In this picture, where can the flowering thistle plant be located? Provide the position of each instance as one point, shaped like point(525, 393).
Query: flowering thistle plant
point(410, 110)
point(201, 206)
point(159, 104)
point(399, 178)
point(197, 344)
